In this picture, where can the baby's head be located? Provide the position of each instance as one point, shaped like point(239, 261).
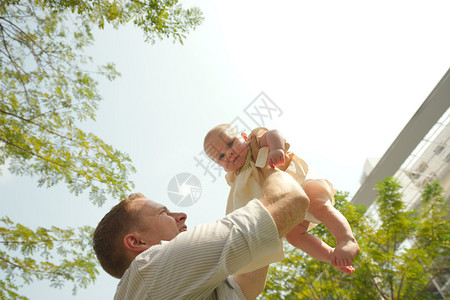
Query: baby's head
point(225, 146)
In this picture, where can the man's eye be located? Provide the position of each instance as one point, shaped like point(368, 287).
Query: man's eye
point(221, 156)
point(230, 144)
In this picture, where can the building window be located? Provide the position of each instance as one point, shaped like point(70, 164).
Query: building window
point(438, 150)
point(427, 180)
point(413, 175)
point(447, 158)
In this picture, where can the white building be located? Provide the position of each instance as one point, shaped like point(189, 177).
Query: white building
point(419, 155)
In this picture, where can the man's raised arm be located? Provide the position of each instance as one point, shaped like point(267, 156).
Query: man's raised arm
point(285, 199)
point(287, 203)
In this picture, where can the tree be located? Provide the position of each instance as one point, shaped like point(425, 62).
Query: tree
point(48, 87)
point(299, 276)
point(64, 255)
point(401, 252)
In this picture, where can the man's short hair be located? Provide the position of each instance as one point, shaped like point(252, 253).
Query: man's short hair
point(110, 231)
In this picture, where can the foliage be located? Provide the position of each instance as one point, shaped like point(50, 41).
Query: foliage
point(158, 19)
point(301, 277)
point(19, 244)
point(401, 252)
point(46, 88)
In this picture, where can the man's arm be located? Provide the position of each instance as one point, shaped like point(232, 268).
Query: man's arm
point(285, 199)
point(287, 203)
point(252, 283)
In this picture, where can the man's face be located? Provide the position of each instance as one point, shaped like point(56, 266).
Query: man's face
point(157, 223)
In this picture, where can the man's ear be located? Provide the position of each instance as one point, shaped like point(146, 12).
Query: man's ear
point(133, 243)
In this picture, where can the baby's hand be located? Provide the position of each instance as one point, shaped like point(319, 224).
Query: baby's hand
point(276, 157)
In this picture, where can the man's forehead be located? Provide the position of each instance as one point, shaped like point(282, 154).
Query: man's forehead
point(144, 202)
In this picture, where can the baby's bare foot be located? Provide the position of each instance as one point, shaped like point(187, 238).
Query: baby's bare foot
point(346, 269)
point(344, 253)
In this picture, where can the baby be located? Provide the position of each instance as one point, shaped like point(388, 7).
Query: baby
point(242, 157)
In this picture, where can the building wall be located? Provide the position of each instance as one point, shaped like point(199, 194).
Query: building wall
point(429, 161)
point(427, 124)
point(419, 155)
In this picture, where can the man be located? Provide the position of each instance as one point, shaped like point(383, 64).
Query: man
point(148, 247)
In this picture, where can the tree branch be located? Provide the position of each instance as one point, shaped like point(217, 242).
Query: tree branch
point(372, 280)
point(424, 287)
point(34, 123)
point(25, 35)
point(30, 269)
point(13, 62)
point(401, 285)
point(32, 153)
point(6, 242)
point(80, 173)
point(46, 113)
point(139, 2)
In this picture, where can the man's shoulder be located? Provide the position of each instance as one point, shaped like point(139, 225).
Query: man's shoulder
point(131, 285)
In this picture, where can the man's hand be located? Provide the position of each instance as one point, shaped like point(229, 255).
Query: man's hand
point(276, 158)
point(284, 198)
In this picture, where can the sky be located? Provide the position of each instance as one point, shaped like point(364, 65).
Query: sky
point(340, 80)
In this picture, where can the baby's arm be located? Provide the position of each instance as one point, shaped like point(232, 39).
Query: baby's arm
point(276, 143)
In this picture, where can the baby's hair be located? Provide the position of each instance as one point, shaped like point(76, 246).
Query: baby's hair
point(227, 130)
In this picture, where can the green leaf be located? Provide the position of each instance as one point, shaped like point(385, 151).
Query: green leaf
point(401, 252)
point(48, 87)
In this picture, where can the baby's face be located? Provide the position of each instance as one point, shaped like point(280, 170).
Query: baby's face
point(227, 149)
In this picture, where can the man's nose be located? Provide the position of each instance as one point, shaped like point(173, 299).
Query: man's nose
point(179, 216)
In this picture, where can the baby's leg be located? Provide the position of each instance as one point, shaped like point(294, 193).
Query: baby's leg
point(313, 246)
point(322, 209)
point(308, 243)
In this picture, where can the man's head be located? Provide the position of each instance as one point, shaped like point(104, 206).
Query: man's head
point(131, 227)
point(226, 147)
